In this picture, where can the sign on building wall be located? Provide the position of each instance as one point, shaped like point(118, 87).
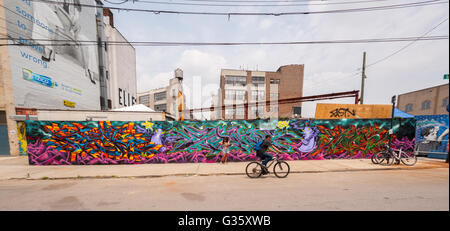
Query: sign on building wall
point(126, 99)
point(51, 69)
point(352, 111)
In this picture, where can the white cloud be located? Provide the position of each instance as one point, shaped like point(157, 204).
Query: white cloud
point(265, 24)
point(147, 82)
point(327, 67)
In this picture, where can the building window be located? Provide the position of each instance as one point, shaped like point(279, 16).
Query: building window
point(254, 95)
point(229, 112)
point(261, 95)
point(145, 99)
point(229, 94)
point(2, 118)
point(236, 80)
point(240, 111)
point(258, 80)
point(297, 111)
point(258, 95)
point(160, 107)
point(275, 81)
point(274, 109)
point(426, 105)
point(235, 94)
point(274, 95)
point(160, 96)
point(240, 95)
point(260, 111)
point(445, 102)
point(409, 107)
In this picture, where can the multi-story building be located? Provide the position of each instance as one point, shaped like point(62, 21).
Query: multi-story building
point(246, 94)
point(169, 99)
point(428, 101)
point(37, 72)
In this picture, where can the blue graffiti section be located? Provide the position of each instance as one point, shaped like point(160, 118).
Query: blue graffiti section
point(432, 134)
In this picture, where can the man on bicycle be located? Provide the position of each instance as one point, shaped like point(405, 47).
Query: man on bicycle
point(261, 153)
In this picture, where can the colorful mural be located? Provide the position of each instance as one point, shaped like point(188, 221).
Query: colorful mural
point(139, 142)
point(22, 138)
point(432, 134)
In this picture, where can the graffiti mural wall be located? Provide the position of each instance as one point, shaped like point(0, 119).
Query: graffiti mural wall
point(432, 134)
point(138, 142)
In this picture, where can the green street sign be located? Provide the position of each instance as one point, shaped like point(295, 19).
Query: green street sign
point(446, 76)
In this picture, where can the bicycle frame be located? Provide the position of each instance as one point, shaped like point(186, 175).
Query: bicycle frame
point(397, 153)
point(273, 160)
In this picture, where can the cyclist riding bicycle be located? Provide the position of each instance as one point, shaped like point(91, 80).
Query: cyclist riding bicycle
point(261, 152)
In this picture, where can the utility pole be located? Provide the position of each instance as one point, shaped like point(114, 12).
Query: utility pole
point(363, 76)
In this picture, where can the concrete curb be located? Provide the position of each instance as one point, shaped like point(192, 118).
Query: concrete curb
point(215, 174)
point(18, 168)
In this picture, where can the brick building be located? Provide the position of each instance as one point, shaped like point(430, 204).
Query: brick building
point(428, 101)
point(260, 91)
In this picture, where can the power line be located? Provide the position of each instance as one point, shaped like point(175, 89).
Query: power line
point(255, 0)
point(63, 42)
point(242, 1)
point(409, 44)
point(252, 5)
point(117, 3)
point(359, 70)
point(386, 7)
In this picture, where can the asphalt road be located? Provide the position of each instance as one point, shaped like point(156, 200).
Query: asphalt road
point(418, 190)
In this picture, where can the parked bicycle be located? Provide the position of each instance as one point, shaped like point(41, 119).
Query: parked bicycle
point(255, 168)
point(388, 157)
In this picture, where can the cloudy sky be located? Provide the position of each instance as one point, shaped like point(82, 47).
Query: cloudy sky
point(328, 68)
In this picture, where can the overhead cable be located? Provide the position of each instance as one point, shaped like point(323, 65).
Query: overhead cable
point(386, 7)
point(323, 3)
point(62, 42)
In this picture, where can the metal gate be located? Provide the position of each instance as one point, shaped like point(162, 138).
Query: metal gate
point(4, 143)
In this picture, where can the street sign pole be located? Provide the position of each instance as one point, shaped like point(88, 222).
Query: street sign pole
point(392, 121)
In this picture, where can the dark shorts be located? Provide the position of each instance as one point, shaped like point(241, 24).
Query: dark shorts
point(263, 155)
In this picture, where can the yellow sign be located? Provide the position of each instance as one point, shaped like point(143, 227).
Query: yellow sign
point(353, 111)
point(69, 104)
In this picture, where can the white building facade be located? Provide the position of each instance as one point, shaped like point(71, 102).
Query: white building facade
point(121, 67)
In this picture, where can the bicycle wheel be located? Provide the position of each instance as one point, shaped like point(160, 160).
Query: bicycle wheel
point(281, 169)
point(374, 159)
point(408, 159)
point(253, 170)
point(378, 157)
point(385, 158)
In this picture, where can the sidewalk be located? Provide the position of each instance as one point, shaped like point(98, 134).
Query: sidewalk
point(18, 168)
